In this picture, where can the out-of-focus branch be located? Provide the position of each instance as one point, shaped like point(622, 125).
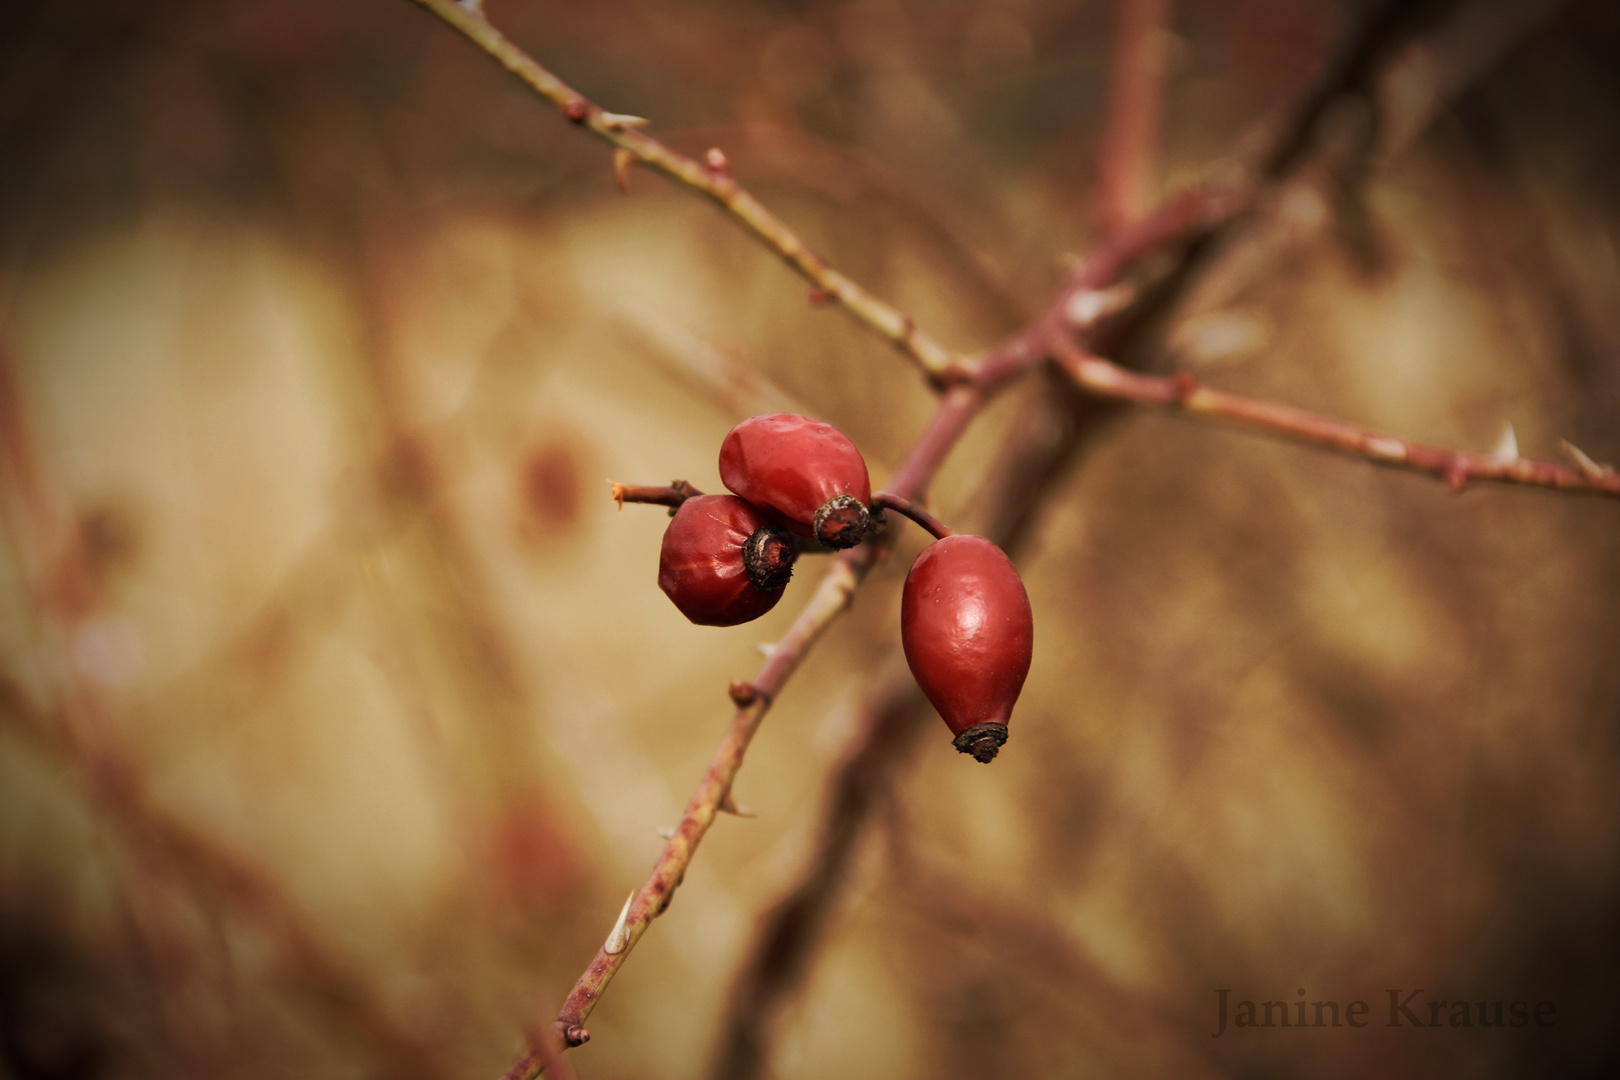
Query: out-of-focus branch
point(1037, 947)
point(832, 596)
point(1128, 154)
point(1183, 392)
point(1352, 68)
point(893, 719)
point(713, 178)
point(77, 731)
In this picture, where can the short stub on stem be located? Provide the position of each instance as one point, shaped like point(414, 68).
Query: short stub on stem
point(768, 556)
point(841, 522)
point(982, 740)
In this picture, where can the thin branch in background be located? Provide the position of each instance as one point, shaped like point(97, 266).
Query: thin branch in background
point(786, 942)
point(712, 178)
point(1033, 945)
point(1128, 156)
point(79, 732)
point(1352, 69)
point(730, 381)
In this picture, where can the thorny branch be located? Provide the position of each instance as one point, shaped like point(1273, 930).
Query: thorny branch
point(1097, 295)
point(831, 598)
point(712, 177)
point(1183, 392)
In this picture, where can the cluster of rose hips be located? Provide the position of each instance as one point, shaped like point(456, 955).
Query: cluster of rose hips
point(965, 620)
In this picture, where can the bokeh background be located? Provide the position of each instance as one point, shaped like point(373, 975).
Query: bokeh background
point(341, 709)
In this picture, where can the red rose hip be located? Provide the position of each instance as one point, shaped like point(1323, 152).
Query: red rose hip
point(805, 471)
point(723, 562)
point(969, 635)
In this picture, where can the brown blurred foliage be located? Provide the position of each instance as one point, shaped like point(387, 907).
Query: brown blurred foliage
point(341, 709)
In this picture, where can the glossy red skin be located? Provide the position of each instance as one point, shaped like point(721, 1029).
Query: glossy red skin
point(967, 630)
point(700, 566)
point(793, 465)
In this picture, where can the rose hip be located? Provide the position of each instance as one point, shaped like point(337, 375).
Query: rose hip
point(968, 634)
point(723, 561)
point(805, 471)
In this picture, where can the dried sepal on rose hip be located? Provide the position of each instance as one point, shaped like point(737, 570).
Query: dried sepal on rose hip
point(723, 561)
point(969, 635)
point(805, 471)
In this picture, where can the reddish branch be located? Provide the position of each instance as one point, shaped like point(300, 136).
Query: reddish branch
point(1135, 100)
point(1183, 392)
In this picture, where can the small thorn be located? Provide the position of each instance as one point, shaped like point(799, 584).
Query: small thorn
point(715, 161)
point(728, 806)
point(1088, 305)
point(666, 834)
point(620, 121)
point(474, 6)
point(1589, 468)
point(619, 939)
point(622, 160)
point(767, 649)
point(1507, 447)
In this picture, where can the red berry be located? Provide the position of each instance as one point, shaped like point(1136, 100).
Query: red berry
point(723, 562)
point(969, 635)
point(805, 471)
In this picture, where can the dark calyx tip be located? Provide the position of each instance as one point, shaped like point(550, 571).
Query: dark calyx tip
point(768, 557)
point(841, 522)
point(982, 740)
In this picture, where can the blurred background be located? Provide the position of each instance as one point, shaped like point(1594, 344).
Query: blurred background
point(340, 707)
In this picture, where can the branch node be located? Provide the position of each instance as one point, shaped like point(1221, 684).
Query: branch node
point(820, 298)
point(577, 110)
point(715, 161)
point(744, 693)
point(1186, 384)
point(574, 1035)
point(1457, 475)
